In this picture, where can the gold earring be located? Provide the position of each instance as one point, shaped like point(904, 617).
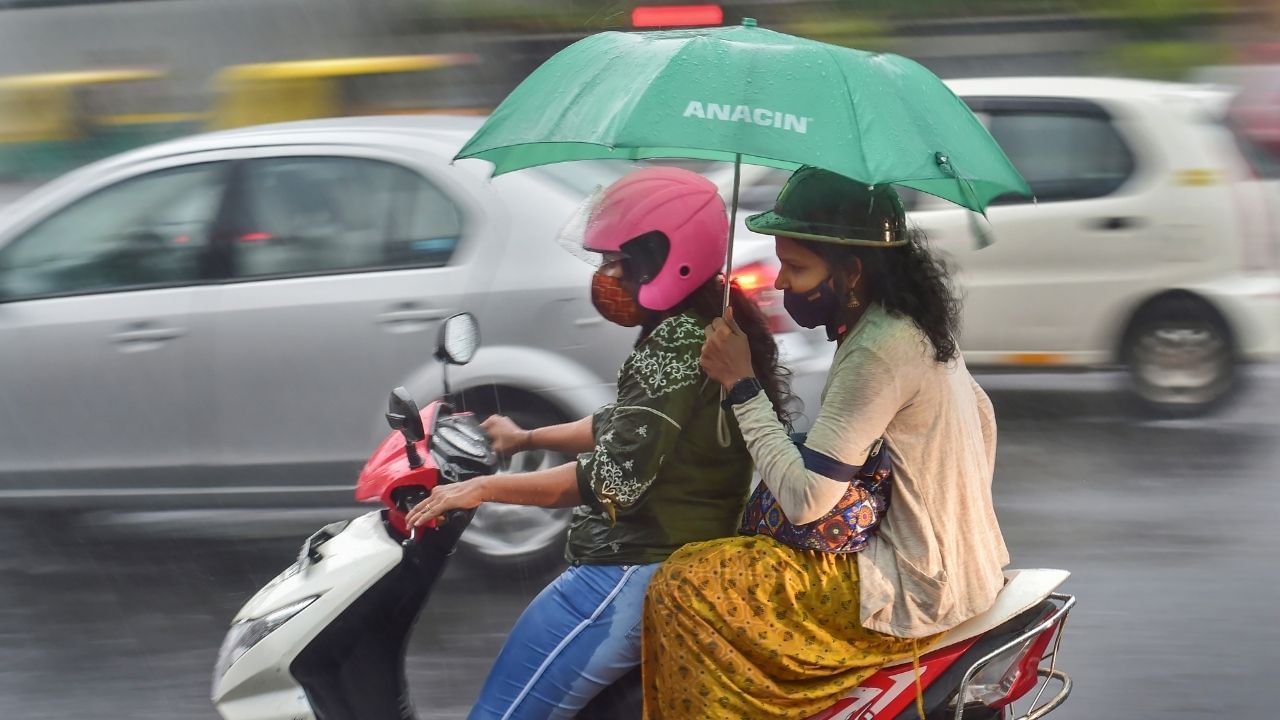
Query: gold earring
point(853, 301)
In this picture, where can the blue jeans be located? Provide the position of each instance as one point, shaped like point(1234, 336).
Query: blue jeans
point(575, 639)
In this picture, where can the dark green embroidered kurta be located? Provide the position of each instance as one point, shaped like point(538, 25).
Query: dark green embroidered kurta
point(658, 477)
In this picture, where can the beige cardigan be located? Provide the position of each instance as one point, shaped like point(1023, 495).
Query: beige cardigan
point(936, 558)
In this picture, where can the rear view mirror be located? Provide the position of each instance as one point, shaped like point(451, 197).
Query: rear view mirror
point(459, 338)
point(403, 415)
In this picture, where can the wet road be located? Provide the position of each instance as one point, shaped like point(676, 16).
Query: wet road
point(1169, 527)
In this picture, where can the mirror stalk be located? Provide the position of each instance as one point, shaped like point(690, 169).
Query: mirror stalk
point(411, 452)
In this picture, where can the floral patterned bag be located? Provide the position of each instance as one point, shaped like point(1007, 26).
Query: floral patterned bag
point(845, 528)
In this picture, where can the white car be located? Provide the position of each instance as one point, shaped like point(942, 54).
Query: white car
point(1153, 243)
point(191, 324)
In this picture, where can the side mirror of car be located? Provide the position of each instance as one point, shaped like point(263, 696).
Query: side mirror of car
point(459, 338)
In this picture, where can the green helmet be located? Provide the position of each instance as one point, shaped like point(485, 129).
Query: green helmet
point(817, 204)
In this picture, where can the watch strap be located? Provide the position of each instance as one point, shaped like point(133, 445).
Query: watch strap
point(742, 391)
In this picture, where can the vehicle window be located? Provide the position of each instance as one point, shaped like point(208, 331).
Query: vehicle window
point(762, 192)
point(145, 231)
point(1063, 156)
point(314, 215)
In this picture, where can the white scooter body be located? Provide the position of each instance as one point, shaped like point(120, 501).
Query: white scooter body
point(259, 684)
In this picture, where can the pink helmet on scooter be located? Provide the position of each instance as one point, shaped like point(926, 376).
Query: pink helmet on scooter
point(670, 226)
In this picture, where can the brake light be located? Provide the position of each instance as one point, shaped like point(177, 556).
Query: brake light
point(756, 281)
point(1011, 674)
point(255, 237)
point(755, 277)
point(677, 15)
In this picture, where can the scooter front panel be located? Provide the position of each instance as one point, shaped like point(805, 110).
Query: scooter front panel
point(350, 564)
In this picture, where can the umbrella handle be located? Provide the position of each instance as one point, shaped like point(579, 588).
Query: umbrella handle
point(733, 224)
point(722, 426)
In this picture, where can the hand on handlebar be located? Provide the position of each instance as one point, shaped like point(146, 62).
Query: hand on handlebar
point(506, 437)
point(457, 496)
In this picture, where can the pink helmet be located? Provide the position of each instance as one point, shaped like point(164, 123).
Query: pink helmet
point(670, 223)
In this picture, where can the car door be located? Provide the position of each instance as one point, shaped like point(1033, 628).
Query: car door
point(97, 336)
point(1059, 264)
point(343, 263)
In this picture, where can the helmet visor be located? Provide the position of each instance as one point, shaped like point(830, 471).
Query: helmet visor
point(574, 233)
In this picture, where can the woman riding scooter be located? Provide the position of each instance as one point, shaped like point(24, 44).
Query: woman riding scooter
point(663, 466)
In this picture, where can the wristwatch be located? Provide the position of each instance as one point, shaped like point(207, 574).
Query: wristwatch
point(742, 391)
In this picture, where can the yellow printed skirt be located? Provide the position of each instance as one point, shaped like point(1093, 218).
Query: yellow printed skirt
point(748, 628)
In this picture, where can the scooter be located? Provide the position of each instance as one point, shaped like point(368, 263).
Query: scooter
point(326, 639)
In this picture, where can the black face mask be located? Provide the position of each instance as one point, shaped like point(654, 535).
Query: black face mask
point(818, 306)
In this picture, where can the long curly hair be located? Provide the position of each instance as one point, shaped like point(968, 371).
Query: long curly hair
point(908, 280)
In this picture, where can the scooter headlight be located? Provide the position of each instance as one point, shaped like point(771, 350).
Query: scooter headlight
point(244, 635)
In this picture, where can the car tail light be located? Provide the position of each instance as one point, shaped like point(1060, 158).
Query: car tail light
point(647, 16)
point(756, 281)
point(1009, 675)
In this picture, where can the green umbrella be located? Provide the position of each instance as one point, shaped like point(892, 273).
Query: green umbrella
point(750, 94)
point(747, 94)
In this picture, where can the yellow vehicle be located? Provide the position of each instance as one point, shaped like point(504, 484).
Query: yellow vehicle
point(51, 122)
point(305, 89)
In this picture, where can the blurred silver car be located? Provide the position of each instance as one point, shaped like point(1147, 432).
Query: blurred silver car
point(217, 321)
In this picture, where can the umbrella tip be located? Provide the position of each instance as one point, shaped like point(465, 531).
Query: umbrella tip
point(748, 22)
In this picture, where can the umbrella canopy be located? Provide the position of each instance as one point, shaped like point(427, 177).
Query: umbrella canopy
point(752, 95)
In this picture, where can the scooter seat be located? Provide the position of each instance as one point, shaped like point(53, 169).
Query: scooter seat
point(1023, 590)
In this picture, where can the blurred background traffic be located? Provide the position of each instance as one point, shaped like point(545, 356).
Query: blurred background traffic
point(198, 331)
point(83, 79)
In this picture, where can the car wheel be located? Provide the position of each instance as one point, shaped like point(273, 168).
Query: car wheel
point(1180, 357)
point(510, 535)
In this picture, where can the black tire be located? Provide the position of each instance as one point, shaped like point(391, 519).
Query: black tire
point(516, 537)
point(1181, 359)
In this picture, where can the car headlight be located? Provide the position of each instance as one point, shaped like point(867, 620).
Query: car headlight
point(244, 635)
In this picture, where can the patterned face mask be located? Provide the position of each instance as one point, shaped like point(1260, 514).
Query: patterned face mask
point(614, 302)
